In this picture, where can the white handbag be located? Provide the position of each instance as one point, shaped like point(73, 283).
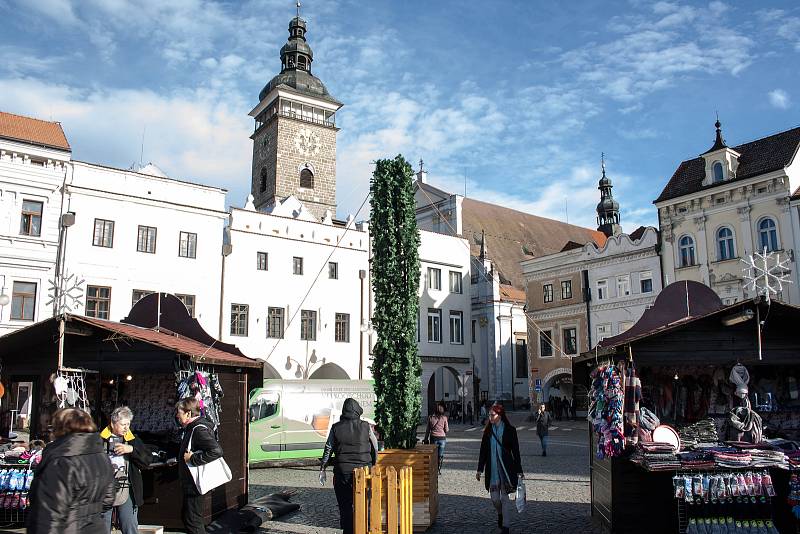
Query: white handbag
point(211, 475)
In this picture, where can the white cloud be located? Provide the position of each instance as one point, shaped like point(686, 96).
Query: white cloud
point(779, 98)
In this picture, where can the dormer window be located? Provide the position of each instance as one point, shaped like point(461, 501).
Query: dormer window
point(718, 173)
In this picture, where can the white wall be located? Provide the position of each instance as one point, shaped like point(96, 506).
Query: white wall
point(131, 199)
point(28, 258)
point(283, 238)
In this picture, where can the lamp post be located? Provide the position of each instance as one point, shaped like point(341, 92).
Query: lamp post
point(304, 370)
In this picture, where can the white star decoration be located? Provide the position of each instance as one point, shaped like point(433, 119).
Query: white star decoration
point(765, 277)
point(68, 291)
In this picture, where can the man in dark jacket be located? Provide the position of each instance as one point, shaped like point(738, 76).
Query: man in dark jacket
point(352, 444)
point(128, 455)
point(204, 449)
point(74, 482)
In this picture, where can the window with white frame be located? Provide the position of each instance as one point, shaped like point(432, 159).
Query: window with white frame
point(434, 325)
point(686, 251)
point(624, 326)
point(455, 282)
point(146, 239)
point(473, 330)
point(187, 245)
point(646, 281)
point(342, 331)
point(139, 294)
point(297, 265)
point(188, 301)
point(768, 234)
point(456, 328)
point(566, 289)
point(262, 261)
point(570, 337)
point(239, 319)
point(725, 245)
point(31, 220)
point(23, 301)
point(545, 343)
point(718, 173)
point(98, 301)
point(434, 278)
point(603, 331)
point(308, 325)
point(547, 292)
point(521, 357)
point(103, 233)
point(602, 289)
point(275, 322)
point(333, 270)
point(623, 285)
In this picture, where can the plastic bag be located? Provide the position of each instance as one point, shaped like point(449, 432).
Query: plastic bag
point(520, 498)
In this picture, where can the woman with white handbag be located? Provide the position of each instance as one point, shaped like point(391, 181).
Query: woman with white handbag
point(198, 448)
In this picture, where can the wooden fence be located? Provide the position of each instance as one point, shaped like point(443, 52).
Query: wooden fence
point(382, 500)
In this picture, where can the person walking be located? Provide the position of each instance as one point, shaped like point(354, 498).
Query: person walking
point(128, 456)
point(351, 443)
point(470, 415)
point(483, 413)
point(204, 449)
point(573, 410)
point(500, 460)
point(436, 433)
point(74, 482)
point(543, 421)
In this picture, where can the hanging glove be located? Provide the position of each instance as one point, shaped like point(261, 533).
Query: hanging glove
point(323, 477)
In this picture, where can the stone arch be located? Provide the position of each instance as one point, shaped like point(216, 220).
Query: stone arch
point(431, 389)
point(270, 373)
point(550, 378)
point(329, 371)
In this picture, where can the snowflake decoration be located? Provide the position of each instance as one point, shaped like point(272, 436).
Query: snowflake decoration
point(765, 277)
point(66, 292)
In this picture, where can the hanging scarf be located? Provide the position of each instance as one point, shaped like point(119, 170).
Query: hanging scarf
point(740, 378)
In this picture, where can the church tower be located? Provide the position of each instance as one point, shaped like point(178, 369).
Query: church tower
point(607, 208)
point(294, 142)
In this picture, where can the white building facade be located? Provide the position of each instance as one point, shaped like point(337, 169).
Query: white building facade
point(34, 161)
point(727, 204)
point(137, 233)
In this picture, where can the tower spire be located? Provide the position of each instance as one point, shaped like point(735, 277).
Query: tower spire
point(719, 142)
point(607, 208)
point(298, 9)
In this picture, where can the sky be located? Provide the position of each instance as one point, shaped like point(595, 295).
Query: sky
point(510, 101)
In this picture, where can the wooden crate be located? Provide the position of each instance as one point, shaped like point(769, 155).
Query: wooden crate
point(423, 461)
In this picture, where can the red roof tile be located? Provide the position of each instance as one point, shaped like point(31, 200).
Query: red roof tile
point(511, 293)
point(34, 131)
point(197, 351)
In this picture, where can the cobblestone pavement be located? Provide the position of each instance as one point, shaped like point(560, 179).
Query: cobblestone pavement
point(557, 487)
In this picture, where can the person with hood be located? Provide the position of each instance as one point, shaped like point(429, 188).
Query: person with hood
point(128, 455)
point(500, 460)
point(74, 482)
point(204, 449)
point(352, 444)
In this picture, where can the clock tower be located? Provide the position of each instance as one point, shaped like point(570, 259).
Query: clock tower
point(294, 142)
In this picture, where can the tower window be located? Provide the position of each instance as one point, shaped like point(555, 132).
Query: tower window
point(301, 62)
point(263, 179)
point(307, 179)
point(718, 175)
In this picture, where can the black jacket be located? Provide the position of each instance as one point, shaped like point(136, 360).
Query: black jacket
point(204, 449)
point(351, 441)
point(137, 460)
point(72, 486)
point(511, 457)
point(543, 421)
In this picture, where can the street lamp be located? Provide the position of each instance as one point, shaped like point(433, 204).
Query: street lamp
point(304, 370)
point(4, 298)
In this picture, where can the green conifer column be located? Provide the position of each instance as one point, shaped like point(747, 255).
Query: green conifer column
point(396, 367)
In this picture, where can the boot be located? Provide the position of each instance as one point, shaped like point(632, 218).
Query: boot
point(544, 453)
point(505, 530)
point(500, 520)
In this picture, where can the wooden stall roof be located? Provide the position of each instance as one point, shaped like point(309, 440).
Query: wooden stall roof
point(157, 336)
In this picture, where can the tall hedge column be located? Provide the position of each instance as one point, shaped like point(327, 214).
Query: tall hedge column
point(396, 367)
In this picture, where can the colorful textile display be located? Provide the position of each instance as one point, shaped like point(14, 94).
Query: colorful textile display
point(204, 387)
point(605, 410)
point(703, 431)
point(794, 494)
point(633, 396)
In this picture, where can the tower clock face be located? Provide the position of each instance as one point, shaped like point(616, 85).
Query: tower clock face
point(307, 142)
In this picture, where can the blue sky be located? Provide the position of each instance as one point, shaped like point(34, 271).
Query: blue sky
point(517, 99)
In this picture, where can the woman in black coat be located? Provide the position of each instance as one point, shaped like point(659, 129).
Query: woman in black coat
point(501, 462)
point(128, 456)
point(74, 483)
point(204, 449)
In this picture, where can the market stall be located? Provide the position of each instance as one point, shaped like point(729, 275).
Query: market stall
point(154, 357)
point(695, 416)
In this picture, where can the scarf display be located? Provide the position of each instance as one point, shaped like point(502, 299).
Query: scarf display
point(606, 410)
point(740, 378)
point(744, 419)
point(633, 396)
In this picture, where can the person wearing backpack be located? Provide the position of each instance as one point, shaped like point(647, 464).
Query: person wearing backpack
point(501, 463)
